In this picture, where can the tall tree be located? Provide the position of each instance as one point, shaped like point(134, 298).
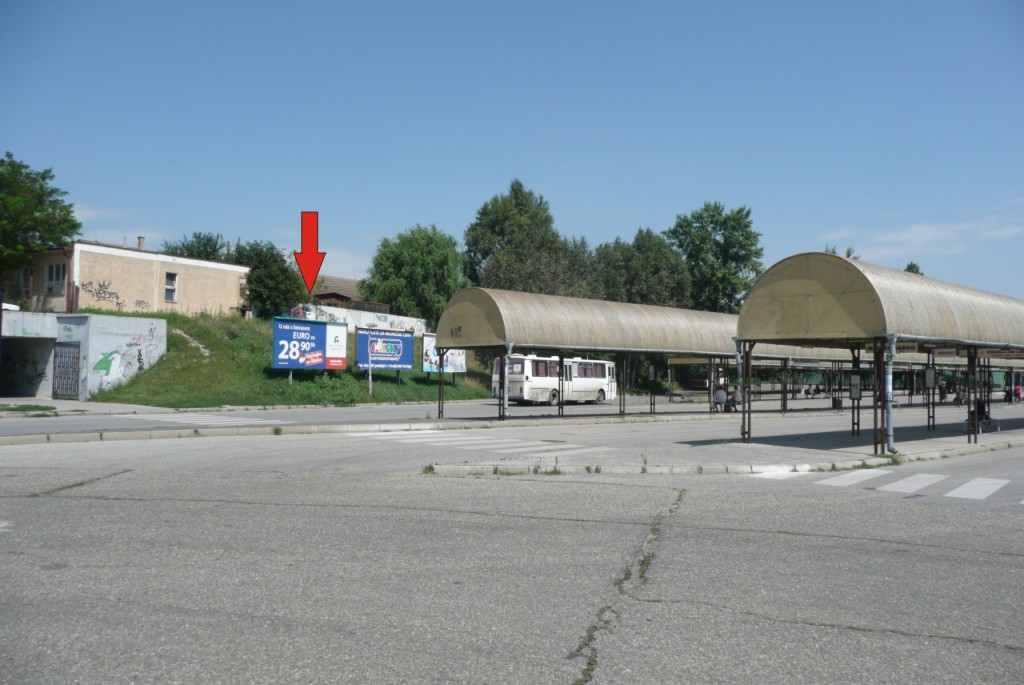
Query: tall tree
point(201, 245)
point(912, 267)
point(658, 275)
point(612, 261)
point(518, 220)
point(723, 253)
point(274, 285)
point(513, 245)
point(648, 271)
point(33, 215)
point(416, 273)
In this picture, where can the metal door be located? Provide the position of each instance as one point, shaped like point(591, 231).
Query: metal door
point(66, 362)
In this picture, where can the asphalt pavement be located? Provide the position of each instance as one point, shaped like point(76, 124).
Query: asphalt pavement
point(815, 437)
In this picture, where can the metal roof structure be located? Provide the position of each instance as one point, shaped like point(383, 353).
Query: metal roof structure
point(822, 299)
point(483, 317)
point(826, 300)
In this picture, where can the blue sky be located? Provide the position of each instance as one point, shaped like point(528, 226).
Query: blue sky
point(893, 127)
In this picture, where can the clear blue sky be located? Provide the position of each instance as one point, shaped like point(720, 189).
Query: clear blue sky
point(894, 127)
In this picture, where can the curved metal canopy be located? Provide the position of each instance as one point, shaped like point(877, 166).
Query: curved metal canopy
point(826, 300)
point(482, 317)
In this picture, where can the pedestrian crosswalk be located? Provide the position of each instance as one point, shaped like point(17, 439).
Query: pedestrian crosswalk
point(972, 489)
point(212, 419)
point(496, 445)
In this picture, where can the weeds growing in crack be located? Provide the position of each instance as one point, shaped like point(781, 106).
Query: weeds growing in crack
point(627, 573)
point(645, 564)
point(586, 646)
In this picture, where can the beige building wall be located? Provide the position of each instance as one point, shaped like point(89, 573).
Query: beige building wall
point(43, 286)
point(122, 279)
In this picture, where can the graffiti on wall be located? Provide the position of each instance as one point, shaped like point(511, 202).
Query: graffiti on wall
point(359, 319)
point(23, 373)
point(121, 363)
point(101, 292)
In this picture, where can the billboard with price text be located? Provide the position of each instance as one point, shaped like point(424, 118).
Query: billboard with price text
point(313, 345)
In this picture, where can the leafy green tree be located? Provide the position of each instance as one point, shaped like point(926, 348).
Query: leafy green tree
point(658, 275)
point(519, 220)
point(200, 245)
point(513, 245)
point(33, 215)
point(648, 271)
point(561, 267)
point(611, 263)
point(723, 253)
point(912, 267)
point(274, 285)
point(416, 273)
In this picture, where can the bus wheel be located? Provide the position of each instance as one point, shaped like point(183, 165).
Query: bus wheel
point(600, 396)
point(553, 400)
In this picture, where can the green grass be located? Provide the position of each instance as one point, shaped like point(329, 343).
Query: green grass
point(25, 407)
point(236, 370)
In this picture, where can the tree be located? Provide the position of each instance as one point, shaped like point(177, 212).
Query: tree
point(513, 245)
point(33, 215)
point(658, 275)
point(723, 253)
point(849, 254)
point(274, 285)
point(519, 220)
point(612, 261)
point(416, 273)
point(648, 271)
point(913, 268)
point(200, 245)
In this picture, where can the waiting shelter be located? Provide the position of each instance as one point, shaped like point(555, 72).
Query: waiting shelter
point(824, 300)
point(480, 318)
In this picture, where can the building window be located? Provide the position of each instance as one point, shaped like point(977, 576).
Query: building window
point(56, 275)
point(171, 287)
point(24, 282)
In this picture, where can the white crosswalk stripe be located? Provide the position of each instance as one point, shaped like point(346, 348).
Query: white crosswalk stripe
point(565, 452)
point(526, 448)
point(853, 477)
point(974, 489)
point(977, 488)
point(780, 475)
point(204, 419)
point(913, 483)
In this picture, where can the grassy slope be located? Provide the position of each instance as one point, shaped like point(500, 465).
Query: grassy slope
point(236, 370)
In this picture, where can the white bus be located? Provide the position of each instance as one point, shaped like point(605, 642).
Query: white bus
point(535, 379)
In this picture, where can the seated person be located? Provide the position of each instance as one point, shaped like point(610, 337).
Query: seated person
point(720, 399)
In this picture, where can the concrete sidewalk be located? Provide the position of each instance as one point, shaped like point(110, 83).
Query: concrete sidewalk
point(810, 438)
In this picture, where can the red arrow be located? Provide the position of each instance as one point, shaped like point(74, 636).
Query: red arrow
point(310, 259)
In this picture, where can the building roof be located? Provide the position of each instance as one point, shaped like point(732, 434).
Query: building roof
point(346, 287)
point(826, 300)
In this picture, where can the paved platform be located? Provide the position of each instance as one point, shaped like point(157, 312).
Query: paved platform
point(810, 437)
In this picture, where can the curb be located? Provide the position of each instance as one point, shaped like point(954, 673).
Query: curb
point(506, 468)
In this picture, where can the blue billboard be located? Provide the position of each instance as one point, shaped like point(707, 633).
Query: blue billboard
point(383, 349)
point(303, 344)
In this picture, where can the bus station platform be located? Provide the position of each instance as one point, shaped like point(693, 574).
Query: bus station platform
point(810, 436)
